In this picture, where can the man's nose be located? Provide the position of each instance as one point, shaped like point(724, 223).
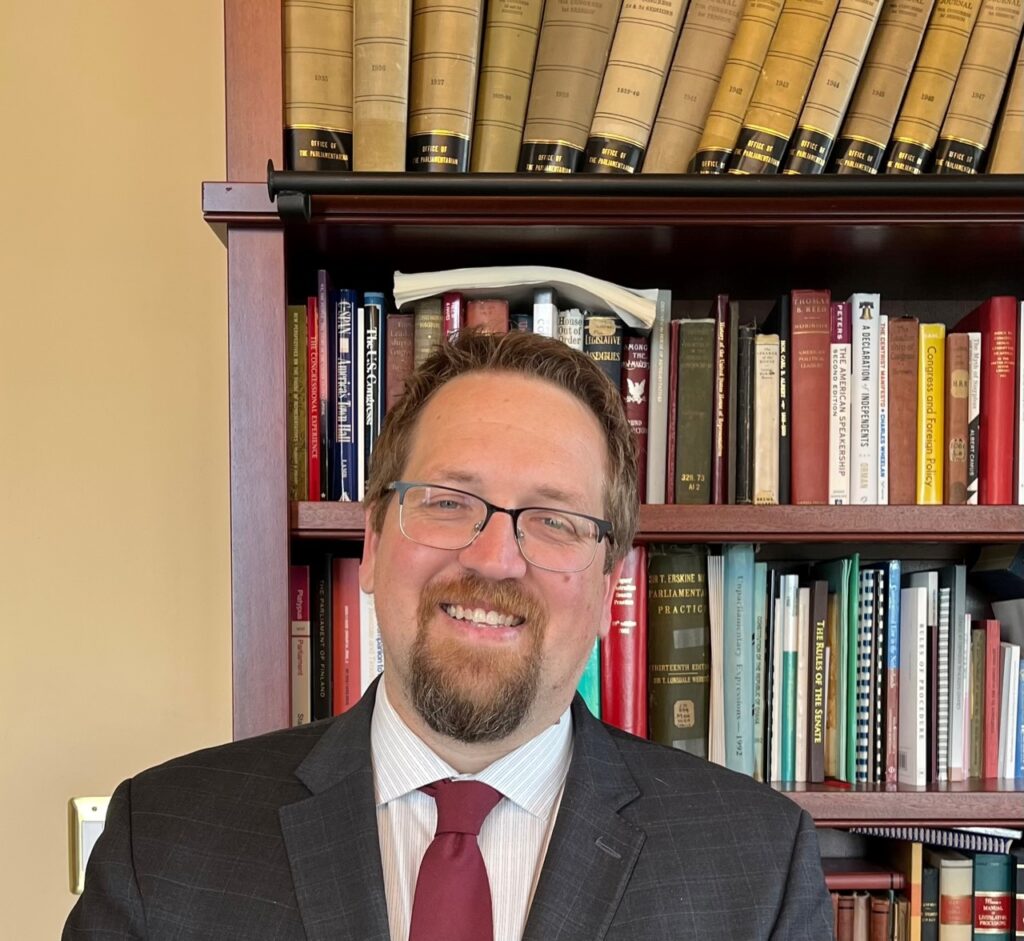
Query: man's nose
point(495, 552)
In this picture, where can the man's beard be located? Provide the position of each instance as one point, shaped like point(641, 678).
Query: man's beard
point(476, 695)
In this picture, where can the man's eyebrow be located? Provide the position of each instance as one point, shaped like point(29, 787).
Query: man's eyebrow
point(472, 482)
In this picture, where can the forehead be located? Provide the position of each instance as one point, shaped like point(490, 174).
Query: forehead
point(483, 428)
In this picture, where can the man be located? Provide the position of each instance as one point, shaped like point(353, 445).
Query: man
point(501, 503)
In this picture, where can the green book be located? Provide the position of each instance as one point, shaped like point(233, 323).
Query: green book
point(695, 410)
point(298, 453)
point(589, 686)
point(993, 900)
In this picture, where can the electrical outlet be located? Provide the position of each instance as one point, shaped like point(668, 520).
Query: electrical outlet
point(86, 817)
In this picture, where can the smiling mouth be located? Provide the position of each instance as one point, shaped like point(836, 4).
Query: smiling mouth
point(481, 616)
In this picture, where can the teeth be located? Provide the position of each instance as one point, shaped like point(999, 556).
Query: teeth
point(480, 616)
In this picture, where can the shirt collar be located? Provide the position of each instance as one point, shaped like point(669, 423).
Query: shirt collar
point(531, 776)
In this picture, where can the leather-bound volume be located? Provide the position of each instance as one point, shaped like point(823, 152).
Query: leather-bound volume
point(624, 649)
point(489, 314)
point(636, 375)
point(967, 126)
point(876, 99)
point(739, 77)
point(844, 917)
point(930, 87)
point(810, 395)
point(318, 85)
point(694, 407)
point(903, 342)
point(380, 85)
point(428, 328)
point(879, 917)
point(958, 377)
point(745, 414)
point(602, 342)
point(442, 83)
point(678, 646)
point(723, 451)
point(511, 31)
point(398, 357)
point(634, 78)
point(700, 55)
point(575, 40)
point(1008, 140)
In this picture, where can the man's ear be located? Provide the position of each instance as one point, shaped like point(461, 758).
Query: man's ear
point(369, 561)
point(610, 583)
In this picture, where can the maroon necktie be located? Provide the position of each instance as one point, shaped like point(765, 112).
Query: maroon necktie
point(453, 896)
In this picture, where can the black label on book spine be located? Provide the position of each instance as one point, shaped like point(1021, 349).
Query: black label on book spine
point(907, 157)
point(549, 157)
point(958, 156)
point(709, 161)
point(858, 156)
point(607, 155)
point(437, 153)
point(317, 148)
point(758, 151)
point(808, 152)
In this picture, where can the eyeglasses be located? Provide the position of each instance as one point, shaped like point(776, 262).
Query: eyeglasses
point(446, 518)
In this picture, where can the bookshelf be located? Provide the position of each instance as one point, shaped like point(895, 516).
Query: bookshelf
point(931, 246)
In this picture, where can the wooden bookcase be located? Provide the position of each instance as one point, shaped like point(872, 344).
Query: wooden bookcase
point(932, 247)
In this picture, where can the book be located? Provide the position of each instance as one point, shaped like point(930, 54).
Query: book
point(985, 635)
point(788, 700)
point(673, 400)
point(761, 649)
point(883, 409)
point(865, 655)
point(442, 83)
point(570, 328)
point(967, 126)
point(953, 578)
point(380, 85)
point(766, 419)
point(602, 342)
point(929, 902)
point(716, 620)
point(817, 627)
point(704, 43)
point(865, 311)
point(326, 374)
point(313, 427)
point(345, 422)
point(453, 313)
point(723, 423)
point(545, 313)
point(968, 839)
point(624, 649)
point(738, 649)
point(636, 377)
point(634, 77)
point(678, 644)
point(1008, 724)
point(957, 388)
point(488, 314)
point(782, 86)
point(908, 857)
point(930, 406)
point(317, 40)
point(996, 320)
point(833, 705)
point(370, 416)
point(903, 363)
point(872, 111)
point(839, 438)
point(1008, 139)
point(802, 717)
point(913, 686)
point(511, 33)
point(832, 86)
point(427, 329)
point(743, 449)
point(298, 637)
point(694, 411)
point(852, 872)
point(992, 896)
point(345, 629)
point(398, 356)
point(974, 417)
point(754, 32)
point(1017, 855)
point(931, 85)
point(321, 677)
point(298, 450)
point(955, 875)
point(589, 686)
point(809, 359)
point(657, 400)
point(837, 575)
point(573, 48)
point(779, 322)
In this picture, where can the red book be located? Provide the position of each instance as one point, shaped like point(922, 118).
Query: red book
point(453, 312)
point(903, 343)
point(345, 632)
point(489, 314)
point(720, 452)
point(313, 396)
point(624, 650)
point(996, 321)
point(398, 357)
point(810, 385)
point(673, 389)
point(990, 697)
point(636, 374)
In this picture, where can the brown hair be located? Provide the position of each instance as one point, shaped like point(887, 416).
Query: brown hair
point(528, 355)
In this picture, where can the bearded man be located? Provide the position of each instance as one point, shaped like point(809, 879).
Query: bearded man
point(470, 795)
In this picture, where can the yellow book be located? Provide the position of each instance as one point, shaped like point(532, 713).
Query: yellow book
point(931, 376)
point(1008, 140)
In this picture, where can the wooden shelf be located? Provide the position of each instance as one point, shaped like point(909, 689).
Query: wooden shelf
point(776, 524)
point(968, 803)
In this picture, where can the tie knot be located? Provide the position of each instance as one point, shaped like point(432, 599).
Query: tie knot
point(462, 806)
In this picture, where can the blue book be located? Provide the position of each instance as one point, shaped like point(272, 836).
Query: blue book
point(761, 673)
point(342, 421)
point(787, 731)
point(589, 686)
point(1020, 721)
point(370, 394)
point(738, 657)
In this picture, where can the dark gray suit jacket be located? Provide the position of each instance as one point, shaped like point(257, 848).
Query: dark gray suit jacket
point(275, 837)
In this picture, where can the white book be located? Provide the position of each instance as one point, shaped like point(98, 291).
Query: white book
point(1020, 404)
point(865, 653)
point(570, 328)
point(942, 732)
point(371, 650)
point(359, 400)
point(913, 705)
point(766, 418)
point(883, 410)
point(716, 616)
point(839, 410)
point(803, 658)
point(299, 641)
point(545, 313)
point(774, 761)
point(974, 417)
point(955, 577)
point(760, 670)
point(657, 398)
point(864, 358)
point(1008, 712)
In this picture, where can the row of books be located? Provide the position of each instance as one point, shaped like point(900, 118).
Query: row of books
point(854, 671)
point(618, 86)
point(927, 894)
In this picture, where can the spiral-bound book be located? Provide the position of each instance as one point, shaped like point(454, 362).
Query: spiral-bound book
point(972, 839)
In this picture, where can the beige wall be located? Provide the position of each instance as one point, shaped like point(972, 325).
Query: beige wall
point(114, 540)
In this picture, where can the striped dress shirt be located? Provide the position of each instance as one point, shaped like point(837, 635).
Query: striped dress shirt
point(514, 837)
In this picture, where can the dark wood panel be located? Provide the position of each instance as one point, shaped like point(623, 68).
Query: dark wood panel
point(259, 509)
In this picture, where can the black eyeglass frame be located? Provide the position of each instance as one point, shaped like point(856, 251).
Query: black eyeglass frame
point(604, 527)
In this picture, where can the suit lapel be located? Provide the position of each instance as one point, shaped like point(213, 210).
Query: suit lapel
point(593, 849)
point(331, 837)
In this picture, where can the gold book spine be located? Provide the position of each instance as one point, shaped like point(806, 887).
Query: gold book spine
point(931, 378)
point(931, 84)
point(442, 83)
point(876, 99)
point(708, 31)
point(575, 40)
point(832, 86)
point(967, 127)
point(739, 78)
point(511, 31)
point(1008, 141)
point(641, 53)
point(780, 91)
point(318, 84)
point(380, 84)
